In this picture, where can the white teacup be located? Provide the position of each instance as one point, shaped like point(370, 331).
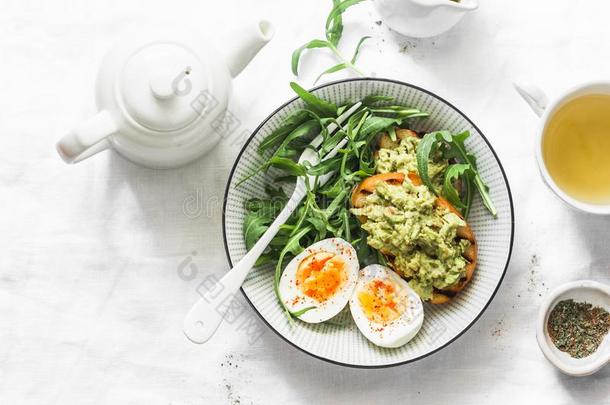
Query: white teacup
point(539, 102)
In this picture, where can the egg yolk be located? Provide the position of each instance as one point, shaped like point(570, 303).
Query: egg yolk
point(320, 275)
point(381, 302)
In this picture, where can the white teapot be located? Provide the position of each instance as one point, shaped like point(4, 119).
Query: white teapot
point(162, 99)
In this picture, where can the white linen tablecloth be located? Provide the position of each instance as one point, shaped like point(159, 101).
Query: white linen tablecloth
point(91, 296)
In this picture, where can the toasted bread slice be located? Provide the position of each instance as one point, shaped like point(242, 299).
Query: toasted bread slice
point(385, 142)
point(401, 133)
point(367, 187)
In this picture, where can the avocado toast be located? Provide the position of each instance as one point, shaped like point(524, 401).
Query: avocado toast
point(422, 236)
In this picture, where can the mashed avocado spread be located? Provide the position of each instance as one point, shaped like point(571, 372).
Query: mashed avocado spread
point(404, 222)
point(403, 159)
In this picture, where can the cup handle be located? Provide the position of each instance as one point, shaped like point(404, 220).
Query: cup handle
point(87, 139)
point(533, 96)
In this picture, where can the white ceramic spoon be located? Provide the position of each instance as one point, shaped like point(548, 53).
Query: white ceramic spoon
point(207, 314)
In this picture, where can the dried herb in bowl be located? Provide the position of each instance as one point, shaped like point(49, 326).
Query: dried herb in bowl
point(577, 328)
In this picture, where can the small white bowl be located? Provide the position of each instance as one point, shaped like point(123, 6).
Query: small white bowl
point(595, 293)
point(423, 18)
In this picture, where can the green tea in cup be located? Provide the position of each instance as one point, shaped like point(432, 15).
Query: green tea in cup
point(576, 148)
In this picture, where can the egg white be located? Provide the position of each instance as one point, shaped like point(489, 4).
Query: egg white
point(399, 331)
point(295, 300)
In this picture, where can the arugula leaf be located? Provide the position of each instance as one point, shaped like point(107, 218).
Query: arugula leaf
point(357, 51)
point(341, 109)
point(484, 193)
point(304, 131)
point(296, 55)
point(254, 227)
point(461, 137)
point(294, 247)
point(335, 204)
point(425, 148)
point(376, 124)
point(275, 192)
point(285, 179)
point(282, 157)
point(288, 165)
point(338, 9)
point(274, 139)
point(319, 224)
point(264, 259)
point(332, 69)
point(265, 208)
point(324, 167)
point(346, 225)
point(457, 143)
point(331, 142)
point(321, 107)
point(453, 147)
point(467, 185)
point(260, 213)
point(370, 100)
point(300, 312)
point(335, 30)
point(449, 191)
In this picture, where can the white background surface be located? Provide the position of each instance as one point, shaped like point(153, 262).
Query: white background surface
point(90, 299)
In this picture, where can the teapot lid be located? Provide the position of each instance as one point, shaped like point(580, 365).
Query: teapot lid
point(159, 82)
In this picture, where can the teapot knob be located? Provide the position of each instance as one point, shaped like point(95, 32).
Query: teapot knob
point(161, 86)
point(166, 84)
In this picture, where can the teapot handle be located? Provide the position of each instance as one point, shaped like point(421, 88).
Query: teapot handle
point(87, 139)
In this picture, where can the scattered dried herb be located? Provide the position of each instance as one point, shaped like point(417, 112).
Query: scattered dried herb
point(577, 328)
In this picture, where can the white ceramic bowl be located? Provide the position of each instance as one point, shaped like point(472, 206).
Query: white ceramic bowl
point(341, 342)
point(595, 293)
point(423, 18)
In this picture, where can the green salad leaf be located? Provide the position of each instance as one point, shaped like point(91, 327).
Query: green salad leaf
point(292, 247)
point(334, 32)
point(452, 174)
point(332, 69)
point(290, 124)
point(317, 105)
point(296, 55)
point(424, 150)
point(453, 147)
point(325, 210)
point(288, 165)
point(334, 27)
point(334, 17)
point(357, 51)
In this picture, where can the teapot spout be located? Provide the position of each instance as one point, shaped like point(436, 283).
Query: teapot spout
point(246, 44)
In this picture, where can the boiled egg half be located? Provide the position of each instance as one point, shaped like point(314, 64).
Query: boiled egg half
point(386, 310)
point(322, 277)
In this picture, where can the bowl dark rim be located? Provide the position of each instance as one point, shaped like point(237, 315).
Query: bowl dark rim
point(512, 222)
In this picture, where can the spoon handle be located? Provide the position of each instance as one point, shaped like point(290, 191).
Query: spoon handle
point(207, 314)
